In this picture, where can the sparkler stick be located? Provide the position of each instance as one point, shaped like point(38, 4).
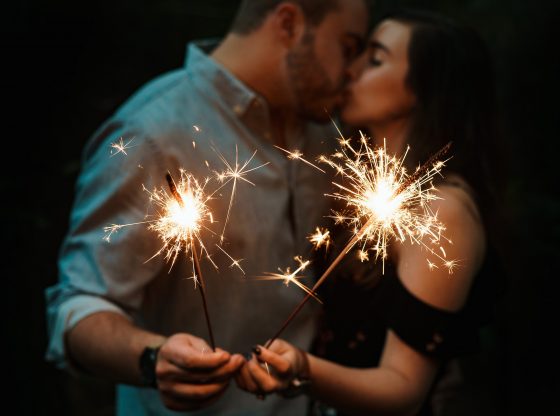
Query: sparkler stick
point(203, 296)
point(196, 262)
point(363, 178)
point(319, 282)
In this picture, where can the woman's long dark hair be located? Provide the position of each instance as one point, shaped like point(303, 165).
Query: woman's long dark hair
point(452, 77)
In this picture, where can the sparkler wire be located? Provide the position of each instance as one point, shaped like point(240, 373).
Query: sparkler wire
point(196, 262)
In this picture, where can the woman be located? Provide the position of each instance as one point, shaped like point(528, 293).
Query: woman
point(425, 82)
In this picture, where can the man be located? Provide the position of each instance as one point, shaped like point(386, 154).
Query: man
point(141, 324)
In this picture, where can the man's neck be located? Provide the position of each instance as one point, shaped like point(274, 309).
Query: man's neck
point(260, 71)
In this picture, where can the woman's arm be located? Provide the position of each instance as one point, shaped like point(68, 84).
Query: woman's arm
point(404, 376)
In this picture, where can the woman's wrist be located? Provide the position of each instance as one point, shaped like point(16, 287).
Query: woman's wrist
point(304, 369)
point(300, 383)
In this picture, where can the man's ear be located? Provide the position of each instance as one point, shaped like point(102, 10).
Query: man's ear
point(289, 22)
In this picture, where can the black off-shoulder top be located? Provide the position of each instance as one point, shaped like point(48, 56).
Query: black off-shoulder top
point(358, 312)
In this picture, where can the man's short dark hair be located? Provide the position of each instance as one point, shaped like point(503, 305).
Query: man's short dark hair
point(252, 13)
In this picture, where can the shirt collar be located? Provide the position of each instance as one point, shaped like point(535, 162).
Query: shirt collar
point(212, 77)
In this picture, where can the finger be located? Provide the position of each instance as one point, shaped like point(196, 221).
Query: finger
point(182, 339)
point(224, 372)
point(264, 381)
point(240, 381)
point(246, 379)
point(187, 357)
point(203, 376)
point(280, 364)
point(200, 344)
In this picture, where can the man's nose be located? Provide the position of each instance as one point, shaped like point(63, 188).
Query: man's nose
point(355, 69)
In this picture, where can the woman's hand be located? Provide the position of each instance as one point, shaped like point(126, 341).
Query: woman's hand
point(273, 369)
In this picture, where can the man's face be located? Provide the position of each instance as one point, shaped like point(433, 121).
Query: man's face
point(318, 65)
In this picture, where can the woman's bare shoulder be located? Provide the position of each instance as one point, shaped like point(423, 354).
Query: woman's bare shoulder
point(441, 272)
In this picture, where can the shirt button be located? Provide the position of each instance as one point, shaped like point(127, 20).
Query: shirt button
point(237, 109)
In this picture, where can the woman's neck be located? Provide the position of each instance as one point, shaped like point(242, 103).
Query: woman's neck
point(392, 134)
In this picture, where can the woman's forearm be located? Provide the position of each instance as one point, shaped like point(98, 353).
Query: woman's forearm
point(384, 391)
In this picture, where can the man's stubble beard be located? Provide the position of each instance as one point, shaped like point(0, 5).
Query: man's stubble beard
point(310, 82)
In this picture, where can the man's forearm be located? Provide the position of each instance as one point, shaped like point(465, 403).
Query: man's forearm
point(108, 345)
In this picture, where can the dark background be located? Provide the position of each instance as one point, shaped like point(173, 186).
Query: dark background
point(68, 65)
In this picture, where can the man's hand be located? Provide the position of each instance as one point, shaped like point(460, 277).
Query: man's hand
point(190, 375)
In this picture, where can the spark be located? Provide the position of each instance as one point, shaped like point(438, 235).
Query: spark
point(431, 265)
point(120, 147)
point(320, 238)
point(183, 214)
point(363, 255)
point(451, 265)
point(297, 155)
point(233, 174)
point(234, 262)
point(292, 277)
point(384, 202)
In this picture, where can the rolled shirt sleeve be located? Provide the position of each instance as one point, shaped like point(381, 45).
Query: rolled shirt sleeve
point(97, 275)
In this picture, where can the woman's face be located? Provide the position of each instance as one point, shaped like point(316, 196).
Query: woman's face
point(380, 95)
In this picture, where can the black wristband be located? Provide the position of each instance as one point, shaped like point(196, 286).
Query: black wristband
point(147, 365)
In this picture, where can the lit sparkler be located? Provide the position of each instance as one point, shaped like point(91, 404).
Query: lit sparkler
point(383, 202)
point(182, 214)
point(178, 232)
point(180, 217)
point(187, 223)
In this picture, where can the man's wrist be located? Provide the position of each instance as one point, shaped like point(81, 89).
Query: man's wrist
point(147, 365)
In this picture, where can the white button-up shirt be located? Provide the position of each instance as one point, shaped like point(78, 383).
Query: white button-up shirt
point(268, 225)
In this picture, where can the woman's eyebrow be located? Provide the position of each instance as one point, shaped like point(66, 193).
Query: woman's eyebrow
point(374, 44)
